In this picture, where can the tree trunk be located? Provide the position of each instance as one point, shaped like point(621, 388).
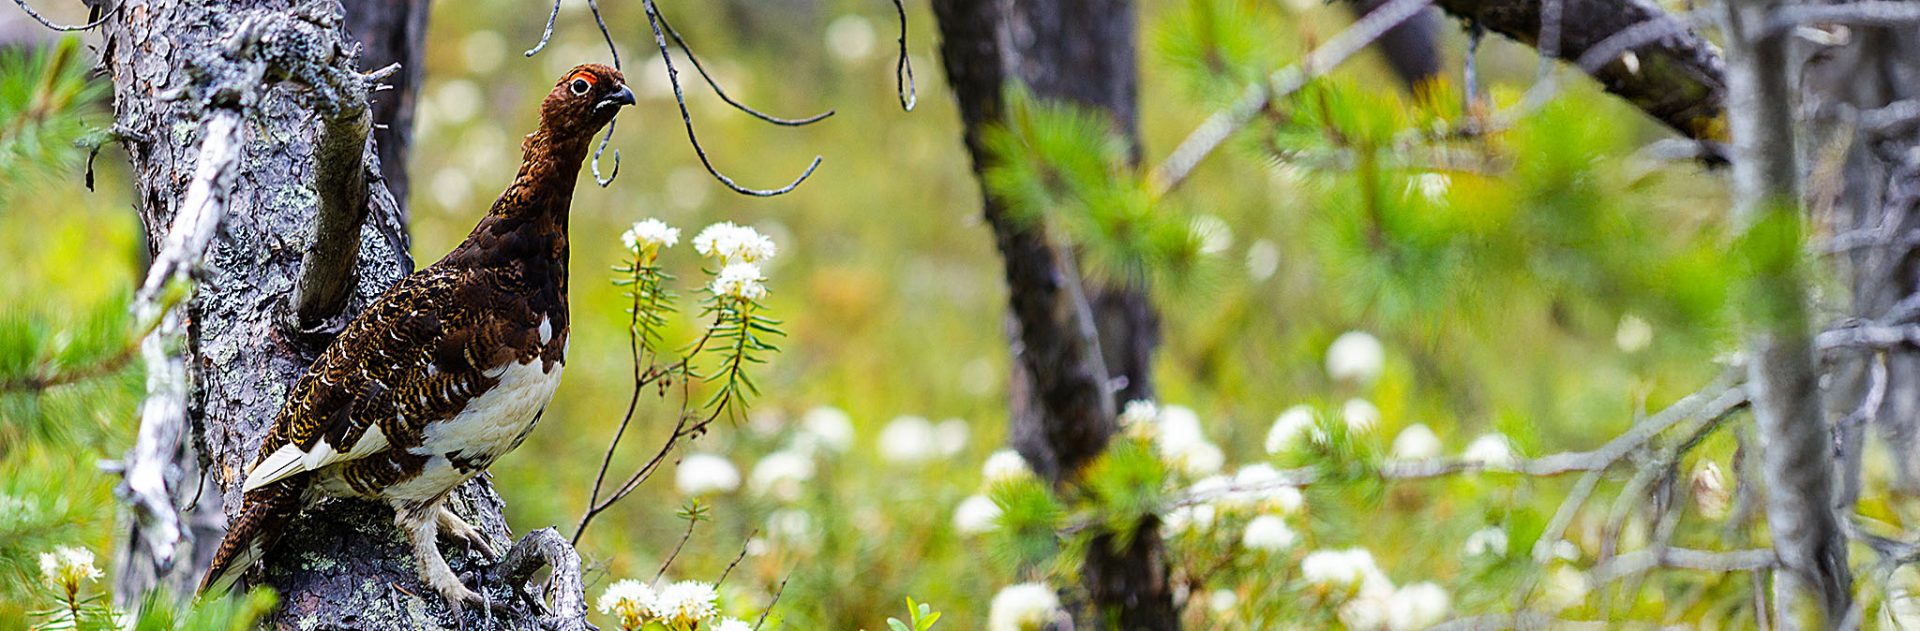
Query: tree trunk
point(343, 565)
point(1071, 342)
point(1412, 49)
point(392, 32)
point(1813, 589)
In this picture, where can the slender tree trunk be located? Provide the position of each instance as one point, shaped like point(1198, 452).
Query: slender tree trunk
point(1072, 342)
point(342, 565)
point(392, 32)
point(1813, 589)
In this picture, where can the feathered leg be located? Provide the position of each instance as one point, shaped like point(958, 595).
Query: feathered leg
point(454, 526)
point(421, 523)
point(263, 515)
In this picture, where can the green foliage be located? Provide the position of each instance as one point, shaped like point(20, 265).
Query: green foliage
point(920, 616)
point(161, 613)
point(1064, 167)
point(44, 97)
point(1030, 523)
point(1128, 484)
point(58, 373)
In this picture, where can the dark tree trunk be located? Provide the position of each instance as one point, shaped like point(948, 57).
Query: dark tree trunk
point(343, 565)
point(1412, 49)
point(1071, 341)
point(392, 32)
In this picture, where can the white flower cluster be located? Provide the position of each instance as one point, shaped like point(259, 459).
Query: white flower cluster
point(67, 567)
point(1493, 451)
point(781, 474)
point(824, 427)
point(630, 602)
point(706, 474)
point(740, 280)
point(1023, 607)
point(1356, 357)
point(1177, 436)
point(912, 440)
point(730, 244)
point(681, 605)
point(650, 236)
point(978, 513)
point(1371, 603)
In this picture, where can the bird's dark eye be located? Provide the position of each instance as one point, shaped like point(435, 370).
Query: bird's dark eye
point(579, 86)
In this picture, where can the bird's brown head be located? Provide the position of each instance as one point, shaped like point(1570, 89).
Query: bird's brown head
point(584, 100)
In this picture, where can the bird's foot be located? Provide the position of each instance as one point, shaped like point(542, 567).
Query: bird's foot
point(458, 528)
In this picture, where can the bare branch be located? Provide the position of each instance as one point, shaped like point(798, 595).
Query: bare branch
point(1640, 561)
point(566, 606)
point(340, 182)
point(1869, 336)
point(903, 71)
point(1224, 123)
point(149, 475)
point(1889, 13)
point(686, 118)
point(722, 93)
point(104, 16)
point(546, 34)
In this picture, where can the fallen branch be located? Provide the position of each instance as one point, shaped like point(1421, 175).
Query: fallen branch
point(566, 604)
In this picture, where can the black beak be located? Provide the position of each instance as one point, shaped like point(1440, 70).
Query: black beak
point(617, 98)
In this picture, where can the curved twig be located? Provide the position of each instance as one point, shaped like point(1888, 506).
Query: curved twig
point(684, 50)
point(603, 149)
point(544, 35)
point(903, 71)
point(104, 15)
point(686, 118)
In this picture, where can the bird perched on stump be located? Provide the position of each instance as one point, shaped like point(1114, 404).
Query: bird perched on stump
point(445, 372)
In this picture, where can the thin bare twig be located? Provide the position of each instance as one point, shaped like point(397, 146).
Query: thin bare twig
point(903, 71)
point(1859, 13)
point(776, 600)
point(692, 522)
point(736, 558)
point(722, 93)
point(1224, 123)
point(64, 28)
point(686, 118)
point(546, 34)
point(1684, 558)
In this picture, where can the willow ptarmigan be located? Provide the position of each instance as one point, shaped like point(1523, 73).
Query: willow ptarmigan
point(445, 372)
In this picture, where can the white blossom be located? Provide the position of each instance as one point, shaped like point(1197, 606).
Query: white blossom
point(1268, 533)
point(1366, 611)
point(1222, 600)
point(733, 624)
point(1256, 486)
point(1416, 442)
point(826, 426)
point(1192, 518)
point(67, 567)
point(950, 437)
point(1566, 550)
point(975, 515)
point(1360, 415)
point(1432, 186)
point(1566, 588)
point(1023, 607)
point(734, 244)
point(1493, 451)
point(702, 474)
point(629, 601)
point(1292, 425)
point(1634, 334)
point(1349, 569)
point(781, 474)
point(1003, 466)
point(791, 526)
point(1140, 419)
point(850, 38)
point(1710, 492)
point(650, 236)
point(685, 603)
point(1179, 428)
point(1213, 233)
point(907, 440)
point(1355, 356)
point(1199, 459)
point(740, 280)
point(1491, 541)
point(1417, 606)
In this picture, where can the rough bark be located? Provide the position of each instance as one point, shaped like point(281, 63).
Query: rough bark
point(392, 32)
point(1813, 590)
point(1068, 347)
point(342, 566)
point(1676, 75)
